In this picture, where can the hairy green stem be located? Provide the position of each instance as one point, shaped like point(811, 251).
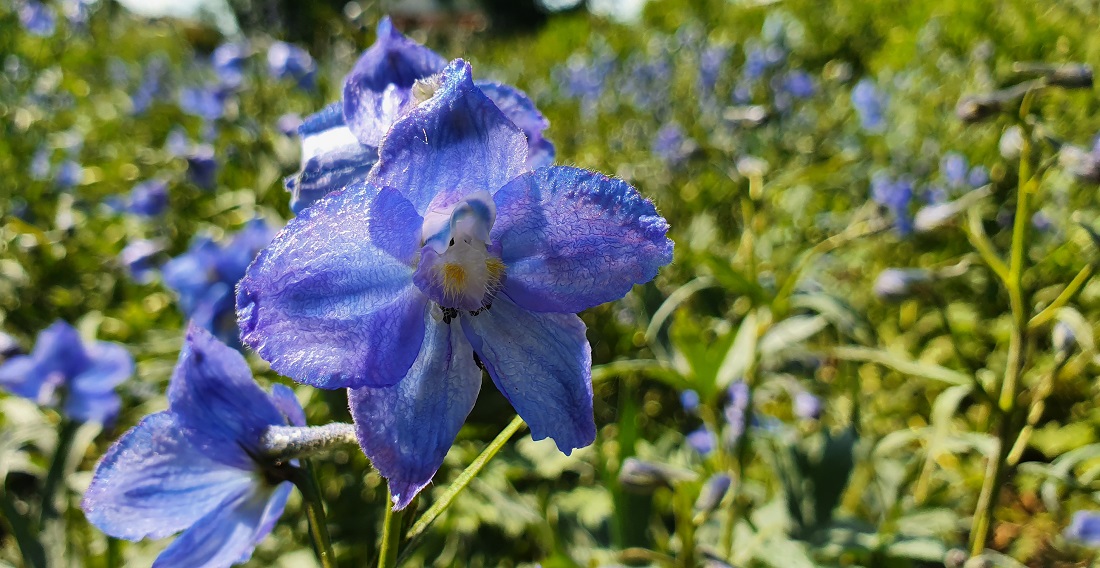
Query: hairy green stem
point(391, 535)
point(306, 482)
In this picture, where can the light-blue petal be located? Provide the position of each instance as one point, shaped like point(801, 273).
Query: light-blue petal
point(332, 158)
point(111, 364)
point(407, 429)
point(326, 306)
point(217, 403)
point(572, 239)
point(543, 364)
point(453, 144)
point(521, 110)
point(287, 402)
point(92, 407)
point(153, 483)
point(392, 61)
point(229, 534)
point(23, 376)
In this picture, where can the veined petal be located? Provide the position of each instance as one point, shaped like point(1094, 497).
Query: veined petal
point(230, 533)
point(407, 429)
point(326, 305)
point(572, 239)
point(217, 403)
point(393, 60)
point(453, 144)
point(111, 364)
point(284, 399)
point(328, 172)
point(543, 364)
point(521, 110)
point(153, 483)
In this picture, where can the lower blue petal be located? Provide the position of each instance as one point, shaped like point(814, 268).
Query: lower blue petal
point(111, 364)
point(92, 407)
point(229, 534)
point(573, 239)
point(284, 399)
point(153, 483)
point(326, 305)
point(407, 429)
point(543, 364)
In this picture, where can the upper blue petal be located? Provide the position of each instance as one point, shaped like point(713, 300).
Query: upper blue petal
point(228, 534)
point(92, 407)
point(543, 364)
point(111, 364)
point(217, 403)
point(407, 429)
point(23, 376)
point(394, 60)
point(284, 399)
point(453, 144)
point(332, 158)
point(572, 239)
point(153, 483)
point(328, 307)
point(59, 348)
point(521, 110)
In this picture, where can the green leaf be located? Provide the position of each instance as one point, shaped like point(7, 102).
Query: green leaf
point(901, 364)
point(741, 354)
point(926, 549)
point(791, 331)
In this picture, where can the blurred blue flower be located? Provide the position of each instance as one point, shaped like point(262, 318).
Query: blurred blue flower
point(340, 143)
point(689, 399)
point(69, 174)
point(711, 62)
point(64, 371)
point(286, 61)
point(289, 123)
point(756, 64)
point(228, 62)
point(204, 277)
point(671, 145)
point(149, 198)
point(392, 291)
point(138, 258)
point(202, 168)
point(1085, 527)
point(40, 164)
point(807, 406)
point(702, 440)
point(870, 104)
point(37, 18)
point(978, 176)
point(895, 195)
point(798, 84)
point(953, 167)
point(207, 102)
point(735, 410)
point(198, 467)
point(177, 143)
point(151, 85)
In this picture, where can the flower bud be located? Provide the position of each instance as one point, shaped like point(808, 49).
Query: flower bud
point(702, 441)
point(711, 495)
point(644, 477)
point(1063, 339)
point(689, 399)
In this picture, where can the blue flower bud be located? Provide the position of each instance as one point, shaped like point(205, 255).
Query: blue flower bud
point(1085, 527)
point(644, 476)
point(1063, 339)
point(712, 493)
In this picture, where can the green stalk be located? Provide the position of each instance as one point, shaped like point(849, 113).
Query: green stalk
point(685, 528)
point(421, 525)
point(391, 535)
point(306, 482)
point(56, 473)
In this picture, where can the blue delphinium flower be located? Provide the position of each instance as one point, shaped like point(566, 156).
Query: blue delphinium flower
point(204, 277)
point(228, 63)
point(689, 399)
point(451, 248)
point(198, 467)
point(149, 198)
point(702, 440)
point(1085, 527)
point(37, 18)
point(953, 167)
point(64, 371)
point(870, 104)
point(340, 143)
point(286, 61)
point(138, 258)
point(895, 195)
point(202, 168)
point(671, 145)
point(798, 84)
point(207, 102)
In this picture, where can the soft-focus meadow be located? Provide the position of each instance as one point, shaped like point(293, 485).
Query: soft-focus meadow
point(879, 327)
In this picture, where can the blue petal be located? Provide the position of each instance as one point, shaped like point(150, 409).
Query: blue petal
point(216, 401)
point(453, 144)
point(92, 407)
point(326, 306)
point(229, 534)
point(394, 60)
point(234, 258)
point(515, 104)
point(572, 239)
point(407, 429)
point(153, 483)
point(23, 376)
point(287, 402)
point(111, 364)
point(59, 348)
point(332, 158)
point(543, 364)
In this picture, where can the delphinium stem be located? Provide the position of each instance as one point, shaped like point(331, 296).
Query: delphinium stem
point(391, 535)
point(56, 473)
point(306, 482)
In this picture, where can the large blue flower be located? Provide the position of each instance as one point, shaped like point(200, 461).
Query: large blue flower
point(65, 371)
point(450, 248)
point(197, 467)
point(340, 143)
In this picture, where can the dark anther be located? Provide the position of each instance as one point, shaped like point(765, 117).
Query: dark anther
point(477, 361)
point(449, 314)
point(452, 243)
point(481, 309)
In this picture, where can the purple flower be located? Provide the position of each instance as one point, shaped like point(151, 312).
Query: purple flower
point(807, 406)
point(450, 248)
point(37, 18)
point(895, 195)
point(689, 399)
point(736, 408)
point(286, 61)
point(870, 104)
point(798, 84)
point(138, 258)
point(702, 441)
point(65, 371)
point(953, 167)
point(149, 198)
point(204, 277)
point(207, 103)
point(228, 63)
point(1085, 527)
point(198, 467)
point(340, 143)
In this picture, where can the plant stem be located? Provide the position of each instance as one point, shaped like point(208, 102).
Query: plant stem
point(421, 525)
point(56, 473)
point(685, 528)
point(391, 535)
point(306, 482)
